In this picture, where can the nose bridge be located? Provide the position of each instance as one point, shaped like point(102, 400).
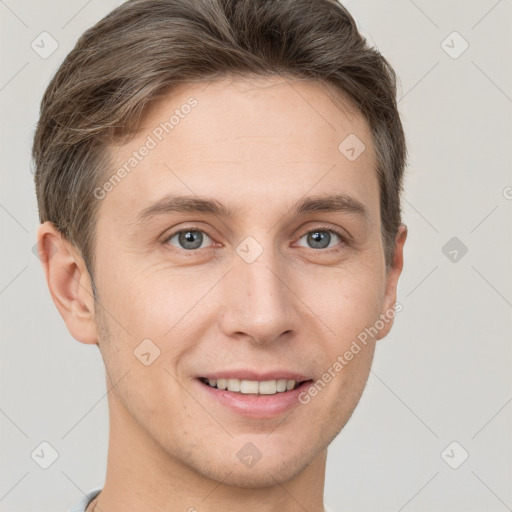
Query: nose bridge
point(257, 301)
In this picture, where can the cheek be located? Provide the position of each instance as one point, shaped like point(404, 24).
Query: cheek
point(345, 306)
point(155, 312)
point(346, 302)
point(145, 302)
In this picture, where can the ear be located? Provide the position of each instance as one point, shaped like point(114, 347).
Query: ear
point(393, 274)
point(69, 282)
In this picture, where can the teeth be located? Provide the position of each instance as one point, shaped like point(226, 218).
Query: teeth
point(234, 385)
point(247, 386)
point(281, 385)
point(267, 387)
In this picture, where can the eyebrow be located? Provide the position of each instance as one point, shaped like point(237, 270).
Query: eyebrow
point(193, 204)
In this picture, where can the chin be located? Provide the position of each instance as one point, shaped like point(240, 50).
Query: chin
point(267, 475)
point(270, 470)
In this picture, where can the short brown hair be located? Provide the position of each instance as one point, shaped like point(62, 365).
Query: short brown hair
point(144, 47)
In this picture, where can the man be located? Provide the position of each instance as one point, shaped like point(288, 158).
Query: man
point(219, 191)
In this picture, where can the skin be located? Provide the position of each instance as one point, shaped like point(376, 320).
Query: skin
point(257, 147)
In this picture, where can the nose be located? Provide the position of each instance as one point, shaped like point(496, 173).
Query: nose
point(258, 302)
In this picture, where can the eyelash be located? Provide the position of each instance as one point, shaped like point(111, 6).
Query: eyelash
point(328, 229)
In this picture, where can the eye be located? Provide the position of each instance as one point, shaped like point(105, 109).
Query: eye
point(322, 238)
point(188, 239)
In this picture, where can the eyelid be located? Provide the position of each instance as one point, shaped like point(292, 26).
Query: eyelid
point(345, 238)
point(167, 237)
point(327, 227)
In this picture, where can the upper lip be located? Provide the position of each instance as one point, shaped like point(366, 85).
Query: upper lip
point(256, 375)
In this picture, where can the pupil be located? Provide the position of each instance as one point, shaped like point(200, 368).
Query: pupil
point(191, 239)
point(319, 239)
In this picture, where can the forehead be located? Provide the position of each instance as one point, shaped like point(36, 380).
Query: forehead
point(244, 140)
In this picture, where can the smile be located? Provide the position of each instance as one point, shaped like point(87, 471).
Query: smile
point(256, 399)
point(255, 387)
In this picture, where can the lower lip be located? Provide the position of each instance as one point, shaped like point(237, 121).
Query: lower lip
point(256, 406)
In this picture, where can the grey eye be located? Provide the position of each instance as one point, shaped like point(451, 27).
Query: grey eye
point(321, 239)
point(189, 239)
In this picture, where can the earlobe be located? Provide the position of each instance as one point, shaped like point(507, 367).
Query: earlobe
point(388, 306)
point(68, 281)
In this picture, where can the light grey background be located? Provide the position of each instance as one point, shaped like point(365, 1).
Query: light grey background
point(444, 372)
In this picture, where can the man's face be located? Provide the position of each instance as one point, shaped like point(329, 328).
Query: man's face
point(260, 290)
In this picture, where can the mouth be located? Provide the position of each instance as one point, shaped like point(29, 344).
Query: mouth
point(255, 399)
point(253, 387)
